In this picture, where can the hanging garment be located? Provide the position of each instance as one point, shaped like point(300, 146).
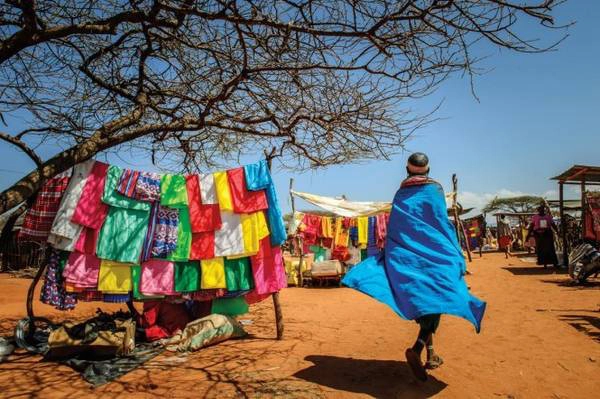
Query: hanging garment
point(184, 238)
point(203, 245)
point(212, 274)
point(342, 234)
point(327, 227)
point(381, 229)
point(53, 292)
point(116, 298)
point(128, 182)
point(258, 178)
point(244, 201)
point(124, 230)
point(81, 270)
point(114, 277)
point(173, 191)
point(295, 225)
point(147, 187)
point(223, 192)
point(208, 190)
point(87, 241)
point(187, 276)
point(203, 217)
point(268, 269)
point(165, 231)
point(320, 253)
point(254, 229)
point(238, 274)
point(421, 270)
point(158, 277)
point(64, 233)
point(312, 228)
point(136, 277)
point(150, 232)
point(362, 223)
point(229, 239)
point(230, 306)
point(372, 249)
point(39, 218)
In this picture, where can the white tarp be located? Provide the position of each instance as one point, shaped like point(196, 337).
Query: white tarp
point(342, 207)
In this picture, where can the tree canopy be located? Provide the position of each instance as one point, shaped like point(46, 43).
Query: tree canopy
point(314, 82)
point(519, 204)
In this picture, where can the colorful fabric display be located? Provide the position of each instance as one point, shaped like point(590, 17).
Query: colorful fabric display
point(116, 298)
point(341, 233)
point(327, 227)
point(258, 178)
point(230, 306)
point(187, 276)
point(147, 187)
point(82, 270)
point(173, 191)
point(165, 231)
point(223, 191)
point(128, 182)
point(238, 274)
point(372, 249)
point(184, 238)
point(212, 274)
point(114, 277)
point(312, 228)
point(53, 291)
point(203, 245)
point(158, 277)
point(362, 223)
point(244, 201)
point(320, 253)
point(64, 233)
point(229, 239)
point(208, 190)
point(295, 225)
point(267, 269)
point(136, 277)
point(40, 217)
point(254, 229)
point(381, 228)
point(124, 230)
point(150, 232)
point(203, 217)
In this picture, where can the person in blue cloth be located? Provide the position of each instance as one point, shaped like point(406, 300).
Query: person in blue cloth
point(420, 272)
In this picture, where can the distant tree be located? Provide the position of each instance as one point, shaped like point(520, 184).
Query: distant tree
point(315, 82)
point(520, 204)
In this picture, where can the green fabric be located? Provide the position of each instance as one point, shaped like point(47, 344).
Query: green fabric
point(62, 261)
point(173, 191)
point(122, 235)
point(113, 198)
point(238, 274)
point(187, 276)
point(230, 306)
point(363, 254)
point(136, 274)
point(184, 238)
point(319, 252)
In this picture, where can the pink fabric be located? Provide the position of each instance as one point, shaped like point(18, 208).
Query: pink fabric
point(82, 270)
point(537, 219)
point(86, 243)
point(381, 226)
point(267, 269)
point(91, 211)
point(158, 278)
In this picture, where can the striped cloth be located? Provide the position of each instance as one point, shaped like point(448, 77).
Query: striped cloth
point(128, 182)
point(39, 218)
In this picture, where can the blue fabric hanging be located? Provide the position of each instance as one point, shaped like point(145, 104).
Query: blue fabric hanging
point(421, 269)
point(372, 249)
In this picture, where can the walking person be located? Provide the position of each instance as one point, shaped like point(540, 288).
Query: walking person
point(420, 272)
point(541, 228)
point(505, 236)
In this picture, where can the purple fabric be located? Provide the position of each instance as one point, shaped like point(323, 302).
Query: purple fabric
point(53, 291)
point(165, 231)
point(147, 187)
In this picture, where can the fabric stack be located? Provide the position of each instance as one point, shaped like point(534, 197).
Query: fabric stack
point(348, 239)
point(120, 235)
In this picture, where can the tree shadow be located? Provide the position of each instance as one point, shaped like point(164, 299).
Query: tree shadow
point(589, 325)
point(534, 271)
point(377, 378)
point(593, 285)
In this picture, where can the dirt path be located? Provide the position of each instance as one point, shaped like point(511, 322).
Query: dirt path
point(540, 339)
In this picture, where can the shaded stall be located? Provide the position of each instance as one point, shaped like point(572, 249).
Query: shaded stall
point(583, 176)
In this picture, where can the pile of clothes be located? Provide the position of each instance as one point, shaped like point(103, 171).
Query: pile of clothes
point(119, 235)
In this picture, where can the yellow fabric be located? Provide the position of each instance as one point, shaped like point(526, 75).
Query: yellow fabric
point(223, 193)
point(212, 274)
point(327, 227)
point(114, 277)
point(341, 235)
point(254, 229)
point(363, 230)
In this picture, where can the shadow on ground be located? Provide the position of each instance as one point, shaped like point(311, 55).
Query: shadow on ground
point(377, 378)
point(587, 324)
point(534, 271)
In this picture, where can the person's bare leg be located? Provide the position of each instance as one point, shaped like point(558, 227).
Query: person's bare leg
point(433, 359)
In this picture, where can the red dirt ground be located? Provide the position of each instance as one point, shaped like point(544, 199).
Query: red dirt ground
point(540, 339)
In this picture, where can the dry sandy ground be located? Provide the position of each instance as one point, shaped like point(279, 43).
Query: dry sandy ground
point(540, 339)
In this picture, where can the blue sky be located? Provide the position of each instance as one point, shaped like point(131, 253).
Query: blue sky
point(537, 115)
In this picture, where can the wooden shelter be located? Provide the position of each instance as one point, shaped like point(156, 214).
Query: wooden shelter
point(584, 176)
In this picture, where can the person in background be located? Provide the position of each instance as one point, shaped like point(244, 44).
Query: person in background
point(541, 228)
point(354, 251)
point(505, 236)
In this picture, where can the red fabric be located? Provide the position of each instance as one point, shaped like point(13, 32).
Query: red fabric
point(341, 254)
point(162, 319)
point(245, 201)
point(416, 181)
point(91, 211)
point(504, 242)
point(312, 228)
point(86, 243)
point(39, 218)
point(252, 297)
point(203, 245)
point(203, 217)
point(326, 242)
point(268, 269)
point(381, 228)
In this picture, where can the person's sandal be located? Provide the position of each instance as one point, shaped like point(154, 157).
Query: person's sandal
point(434, 362)
point(414, 361)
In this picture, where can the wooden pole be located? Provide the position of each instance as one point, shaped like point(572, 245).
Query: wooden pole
point(563, 224)
point(458, 224)
point(298, 239)
point(583, 188)
point(276, 303)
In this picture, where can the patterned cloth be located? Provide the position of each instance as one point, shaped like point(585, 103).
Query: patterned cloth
point(147, 187)
point(128, 182)
point(38, 220)
point(53, 291)
point(165, 231)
